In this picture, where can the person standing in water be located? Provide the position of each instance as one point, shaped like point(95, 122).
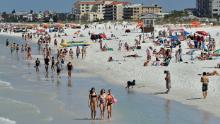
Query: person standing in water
point(53, 64)
point(46, 61)
point(7, 43)
point(17, 48)
point(93, 102)
point(37, 64)
point(109, 102)
point(59, 67)
point(69, 68)
point(77, 52)
point(71, 53)
point(204, 80)
point(102, 102)
point(168, 81)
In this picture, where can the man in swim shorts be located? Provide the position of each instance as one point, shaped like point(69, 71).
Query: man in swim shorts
point(204, 81)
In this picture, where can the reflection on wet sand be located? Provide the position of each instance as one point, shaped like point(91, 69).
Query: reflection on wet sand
point(69, 83)
point(205, 118)
point(167, 111)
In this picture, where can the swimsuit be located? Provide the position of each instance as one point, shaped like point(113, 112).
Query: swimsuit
point(204, 87)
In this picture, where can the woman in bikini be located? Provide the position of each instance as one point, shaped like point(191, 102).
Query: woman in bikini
point(109, 102)
point(93, 102)
point(102, 101)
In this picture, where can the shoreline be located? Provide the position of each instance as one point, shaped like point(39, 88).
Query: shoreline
point(179, 94)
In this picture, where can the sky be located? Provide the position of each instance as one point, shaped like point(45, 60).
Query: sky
point(66, 5)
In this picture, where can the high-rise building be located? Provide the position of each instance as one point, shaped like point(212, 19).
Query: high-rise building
point(114, 10)
point(208, 8)
point(90, 9)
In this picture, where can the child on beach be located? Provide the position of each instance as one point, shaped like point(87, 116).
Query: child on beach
point(37, 64)
point(59, 67)
point(168, 81)
point(69, 68)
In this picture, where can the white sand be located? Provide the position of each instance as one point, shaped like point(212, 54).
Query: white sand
point(186, 86)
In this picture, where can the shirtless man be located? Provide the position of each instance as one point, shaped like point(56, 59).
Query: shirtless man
point(204, 80)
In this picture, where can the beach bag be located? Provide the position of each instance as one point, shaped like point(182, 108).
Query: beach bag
point(114, 101)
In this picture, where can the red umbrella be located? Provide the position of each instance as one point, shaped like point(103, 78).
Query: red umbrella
point(202, 33)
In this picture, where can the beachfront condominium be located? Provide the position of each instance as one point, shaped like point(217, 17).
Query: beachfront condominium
point(114, 10)
point(90, 10)
point(94, 10)
point(135, 11)
point(208, 8)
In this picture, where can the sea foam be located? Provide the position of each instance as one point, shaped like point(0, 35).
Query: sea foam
point(5, 84)
point(6, 121)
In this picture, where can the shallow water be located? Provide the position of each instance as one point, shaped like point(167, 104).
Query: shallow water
point(30, 98)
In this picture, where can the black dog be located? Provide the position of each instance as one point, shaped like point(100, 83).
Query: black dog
point(130, 84)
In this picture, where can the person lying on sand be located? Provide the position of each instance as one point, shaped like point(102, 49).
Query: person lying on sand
point(204, 56)
point(214, 73)
point(133, 55)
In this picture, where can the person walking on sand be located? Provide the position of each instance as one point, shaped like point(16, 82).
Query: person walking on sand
point(204, 80)
point(168, 81)
point(93, 102)
point(37, 64)
point(180, 53)
point(69, 68)
point(102, 101)
point(109, 102)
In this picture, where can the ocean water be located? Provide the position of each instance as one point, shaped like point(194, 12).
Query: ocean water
point(30, 98)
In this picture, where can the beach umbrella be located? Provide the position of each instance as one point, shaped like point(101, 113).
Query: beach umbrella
point(186, 33)
point(217, 52)
point(202, 33)
point(103, 36)
point(173, 37)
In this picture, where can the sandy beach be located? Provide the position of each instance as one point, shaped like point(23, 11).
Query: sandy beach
point(186, 86)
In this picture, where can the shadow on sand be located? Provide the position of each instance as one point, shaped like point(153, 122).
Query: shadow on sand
point(159, 93)
point(196, 98)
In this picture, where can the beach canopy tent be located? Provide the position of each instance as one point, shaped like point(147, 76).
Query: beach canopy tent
point(186, 33)
point(195, 24)
point(202, 33)
point(98, 36)
point(103, 36)
point(40, 31)
point(175, 38)
point(217, 52)
point(45, 25)
point(177, 32)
